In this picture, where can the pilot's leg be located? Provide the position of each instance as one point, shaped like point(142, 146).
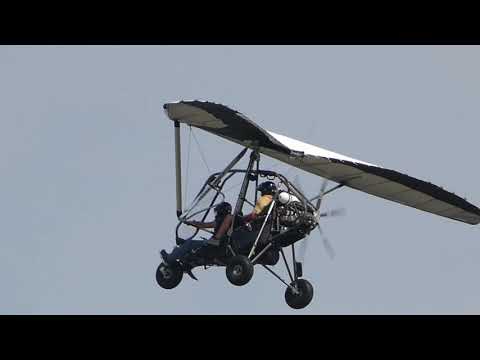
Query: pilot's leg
point(179, 252)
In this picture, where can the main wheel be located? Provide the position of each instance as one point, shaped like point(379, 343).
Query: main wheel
point(239, 270)
point(303, 297)
point(168, 277)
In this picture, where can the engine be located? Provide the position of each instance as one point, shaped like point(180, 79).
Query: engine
point(291, 213)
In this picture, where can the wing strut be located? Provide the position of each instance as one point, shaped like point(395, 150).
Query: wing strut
point(178, 168)
point(327, 192)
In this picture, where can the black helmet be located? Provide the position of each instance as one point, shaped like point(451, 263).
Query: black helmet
point(267, 188)
point(223, 208)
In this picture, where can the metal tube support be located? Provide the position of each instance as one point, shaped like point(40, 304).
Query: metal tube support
point(256, 179)
point(231, 250)
point(334, 188)
point(294, 290)
point(328, 191)
point(217, 180)
point(241, 196)
point(294, 263)
point(243, 191)
point(262, 252)
point(232, 163)
point(178, 168)
point(261, 230)
point(286, 264)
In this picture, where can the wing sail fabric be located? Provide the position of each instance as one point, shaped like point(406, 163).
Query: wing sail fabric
point(369, 178)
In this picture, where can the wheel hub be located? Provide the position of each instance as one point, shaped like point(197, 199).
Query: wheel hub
point(237, 270)
point(166, 272)
point(295, 290)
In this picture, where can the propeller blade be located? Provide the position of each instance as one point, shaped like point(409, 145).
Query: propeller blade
point(326, 244)
point(334, 212)
point(320, 196)
point(298, 185)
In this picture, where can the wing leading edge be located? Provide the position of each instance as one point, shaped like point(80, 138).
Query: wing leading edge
point(369, 178)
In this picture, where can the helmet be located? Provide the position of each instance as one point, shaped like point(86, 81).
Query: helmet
point(267, 188)
point(223, 208)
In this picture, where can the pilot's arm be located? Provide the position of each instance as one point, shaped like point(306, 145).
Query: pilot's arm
point(261, 204)
point(222, 230)
point(250, 217)
point(201, 225)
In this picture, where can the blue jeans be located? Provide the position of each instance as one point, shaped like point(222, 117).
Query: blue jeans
point(180, 251)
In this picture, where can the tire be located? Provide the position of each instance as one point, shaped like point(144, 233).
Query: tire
point(239, 270)
point(303, 298)
point(168, 277)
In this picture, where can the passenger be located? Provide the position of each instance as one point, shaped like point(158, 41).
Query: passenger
point(221, 224)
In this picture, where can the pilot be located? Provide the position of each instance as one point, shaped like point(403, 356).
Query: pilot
point(253, 221)
point(267, 189)
point(221, 224)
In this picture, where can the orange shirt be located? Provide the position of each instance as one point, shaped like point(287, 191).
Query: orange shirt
point(262, 203)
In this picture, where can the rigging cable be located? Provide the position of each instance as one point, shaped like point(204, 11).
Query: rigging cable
point(200, 150)
point(233, 186)
point(187, 168)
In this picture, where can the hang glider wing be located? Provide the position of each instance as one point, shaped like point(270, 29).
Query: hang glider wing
point(372, 179)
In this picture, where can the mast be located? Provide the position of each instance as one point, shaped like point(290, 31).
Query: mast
point(254, 156)
point(178, 168)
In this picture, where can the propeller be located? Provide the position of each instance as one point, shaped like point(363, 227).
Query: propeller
point(326, 243)
point(332, 213)
point(320, 195)
point(298, 185)
point(302, 251)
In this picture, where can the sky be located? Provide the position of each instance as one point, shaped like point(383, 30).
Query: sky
point(88, 177)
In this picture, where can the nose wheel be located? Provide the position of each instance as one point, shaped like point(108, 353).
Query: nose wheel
point(301, 296)
point(168, 277)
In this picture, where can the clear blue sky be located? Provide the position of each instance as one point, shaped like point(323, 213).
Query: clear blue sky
point(87, 195)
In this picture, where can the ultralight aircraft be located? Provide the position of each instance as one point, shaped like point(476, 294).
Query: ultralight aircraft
point(291, 216)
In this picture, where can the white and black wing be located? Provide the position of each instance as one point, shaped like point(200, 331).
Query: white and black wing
point(369, 178)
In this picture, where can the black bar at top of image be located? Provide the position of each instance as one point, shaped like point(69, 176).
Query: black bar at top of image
point(296, 26)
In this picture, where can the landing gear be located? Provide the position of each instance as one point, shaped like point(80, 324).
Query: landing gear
point(303, 295)
point(239, 270)
point(168, 277)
